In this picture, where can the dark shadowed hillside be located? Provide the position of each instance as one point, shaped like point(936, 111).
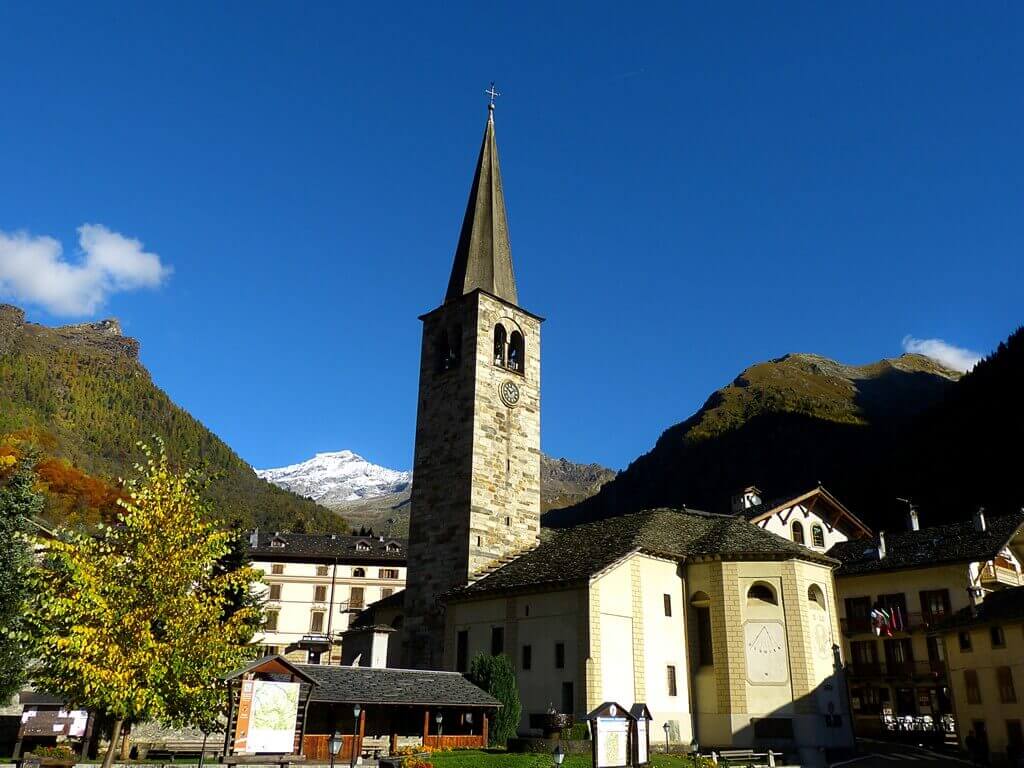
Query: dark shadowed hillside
point(82, 395)
point(784, 426)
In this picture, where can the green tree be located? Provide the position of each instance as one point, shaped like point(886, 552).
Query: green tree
point(496, 676)
point(141, 621)
point(19, 502)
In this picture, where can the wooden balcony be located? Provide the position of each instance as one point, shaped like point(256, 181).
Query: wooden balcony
point(996, 576)
point(912, 622)
point(905, 670)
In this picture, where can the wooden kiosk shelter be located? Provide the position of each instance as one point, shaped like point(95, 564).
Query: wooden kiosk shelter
point(394, 705)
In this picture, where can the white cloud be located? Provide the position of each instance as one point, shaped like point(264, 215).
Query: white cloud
point(34, 270)
point(957, 358)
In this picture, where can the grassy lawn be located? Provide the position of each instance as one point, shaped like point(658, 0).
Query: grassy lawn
point(495, 759)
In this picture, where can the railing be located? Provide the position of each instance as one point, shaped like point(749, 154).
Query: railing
point(998, 574)
point(910, 621)
point(907, 669)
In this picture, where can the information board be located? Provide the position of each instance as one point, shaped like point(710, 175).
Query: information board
point(612, 742)
point(267, 715)
point(641, 742)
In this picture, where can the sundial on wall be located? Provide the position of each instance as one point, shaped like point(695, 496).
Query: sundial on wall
point(765, 644)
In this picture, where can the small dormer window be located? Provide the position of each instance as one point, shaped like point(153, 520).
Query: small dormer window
point(392, 546)
point(277, 543)
point(362, 546)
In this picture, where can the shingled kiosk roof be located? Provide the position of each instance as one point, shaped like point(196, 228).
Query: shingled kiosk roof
point(999, 606)
point(953, 543)
point(370, 685)
point(575, 554)
point(327, 546)
point(483, 257)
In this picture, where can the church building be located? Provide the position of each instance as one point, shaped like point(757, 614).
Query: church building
point(725, 630)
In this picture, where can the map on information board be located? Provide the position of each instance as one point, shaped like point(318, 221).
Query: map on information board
point(612, 742)
point(275, 708)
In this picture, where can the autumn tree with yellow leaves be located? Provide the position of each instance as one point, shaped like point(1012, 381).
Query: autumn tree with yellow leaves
point(141, 621)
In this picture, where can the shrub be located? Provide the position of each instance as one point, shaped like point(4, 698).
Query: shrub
point(578, 732)
point(495, 675)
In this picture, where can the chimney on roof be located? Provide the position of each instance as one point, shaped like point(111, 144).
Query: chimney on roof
point(979, 520)
point(747, 498)
point(254, 538)
point(913, 521)
point(881, 545)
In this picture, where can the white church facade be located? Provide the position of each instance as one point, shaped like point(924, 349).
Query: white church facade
point(725, 630)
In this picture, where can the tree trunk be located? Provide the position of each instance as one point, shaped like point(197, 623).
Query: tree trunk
point(115, 735)
point(126, 744)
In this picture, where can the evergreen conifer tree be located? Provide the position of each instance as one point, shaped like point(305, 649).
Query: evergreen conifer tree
point(19, 501)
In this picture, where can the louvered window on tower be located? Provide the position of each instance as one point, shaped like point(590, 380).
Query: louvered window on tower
point(500, 340)
point(516, 352)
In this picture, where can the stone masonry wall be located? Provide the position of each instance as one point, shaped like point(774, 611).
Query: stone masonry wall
point(476, 470)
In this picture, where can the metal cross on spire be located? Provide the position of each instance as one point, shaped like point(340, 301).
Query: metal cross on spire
point(493, 94)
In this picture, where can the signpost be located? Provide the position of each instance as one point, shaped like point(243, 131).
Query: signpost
point(612, 728)
point(641, 733)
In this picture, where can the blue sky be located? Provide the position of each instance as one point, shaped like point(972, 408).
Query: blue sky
point(690, 190)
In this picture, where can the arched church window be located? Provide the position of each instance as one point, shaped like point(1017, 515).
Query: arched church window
point(818, 536)
point(500, 341)
point(516, 352)
point(700, 603)
point(358, 573)
point(798, 532)
point(761, 594)
point(447, 348)
point(816, 597)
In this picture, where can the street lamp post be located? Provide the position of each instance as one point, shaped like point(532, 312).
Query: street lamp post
point(558, 754)
point(665, 728)
point(334, 745)
point(356, 711)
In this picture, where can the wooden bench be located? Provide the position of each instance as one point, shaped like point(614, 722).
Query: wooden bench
point(171, 749)
point(745, 757)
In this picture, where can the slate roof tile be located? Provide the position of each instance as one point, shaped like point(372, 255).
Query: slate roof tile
point(370, 685)
point(575, 554)
point(327, 546)
point(952, 543)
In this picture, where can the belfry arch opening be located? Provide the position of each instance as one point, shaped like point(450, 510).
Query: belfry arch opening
point(509, 349)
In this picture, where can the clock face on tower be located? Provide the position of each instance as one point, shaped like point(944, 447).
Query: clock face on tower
point(509, 393)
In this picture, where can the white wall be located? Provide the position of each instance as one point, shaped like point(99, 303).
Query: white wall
point(781, 524)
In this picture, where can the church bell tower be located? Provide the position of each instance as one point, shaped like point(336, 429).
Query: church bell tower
point(476, 470)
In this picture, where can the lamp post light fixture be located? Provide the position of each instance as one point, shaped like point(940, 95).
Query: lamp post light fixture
point(334, 745)
point(694, 747)
point(439, 719)
point(558, 755)
point(356, 711)
point(665, 728)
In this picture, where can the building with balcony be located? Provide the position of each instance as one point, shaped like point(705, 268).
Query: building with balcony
point(892, 595)
point(985, 658)
point(316, 583)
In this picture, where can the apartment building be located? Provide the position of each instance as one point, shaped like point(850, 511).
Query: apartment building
point(895, 591)
point(316, 583)
point(985, 658)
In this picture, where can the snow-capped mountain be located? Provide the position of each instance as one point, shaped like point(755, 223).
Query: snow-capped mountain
point(336, 477)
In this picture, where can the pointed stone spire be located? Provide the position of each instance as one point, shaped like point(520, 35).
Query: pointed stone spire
point(483, 257)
